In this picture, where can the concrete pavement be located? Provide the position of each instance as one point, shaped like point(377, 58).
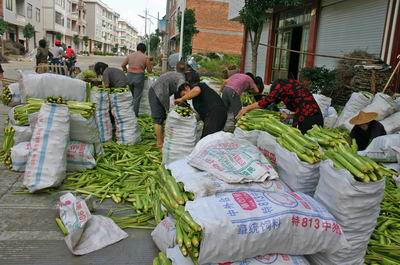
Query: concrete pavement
point(28, 233)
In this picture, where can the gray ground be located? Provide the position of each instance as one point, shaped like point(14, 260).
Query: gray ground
point(28, 233)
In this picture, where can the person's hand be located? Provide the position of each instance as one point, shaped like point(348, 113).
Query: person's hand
point(241, 113)
point(179, 101)
point(284, 116)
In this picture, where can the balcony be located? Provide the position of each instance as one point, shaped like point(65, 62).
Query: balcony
point(74, 15)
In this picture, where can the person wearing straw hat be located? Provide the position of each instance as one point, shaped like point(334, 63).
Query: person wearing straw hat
point(366, 128)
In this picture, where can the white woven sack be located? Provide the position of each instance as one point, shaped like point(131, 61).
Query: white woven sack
point(245, 224)
point(164, 235)
point(298, 175)
point(392, 123)
point(47, 160)
point(103, 119)
point(84, 130)
point(251, 136)
point(266, 143)
point(380, 149)
point(51, 85)
point(323, 102)
point(203, 184)
point(127, 128)
point(80, 156)
point(357, 102)
point(231, 160)
point(19, 156)
point(355, 205)
point(331, 118)
point(15, 95)
point(144, 102)
point(22, 134)
point(382, 104)
point(175, 255)
point(180, 136)
point(230, 122)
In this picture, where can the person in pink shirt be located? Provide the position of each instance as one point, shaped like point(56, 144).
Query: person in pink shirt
point(136, 64)
point(234, 86)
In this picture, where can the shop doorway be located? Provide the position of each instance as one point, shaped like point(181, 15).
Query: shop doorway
point(294, 58)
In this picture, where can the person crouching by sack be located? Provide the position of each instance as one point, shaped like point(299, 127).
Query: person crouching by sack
point(366, 128)
point(206, 102)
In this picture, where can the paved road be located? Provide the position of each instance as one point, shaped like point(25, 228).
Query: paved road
point(10, 69)
point(28, 233)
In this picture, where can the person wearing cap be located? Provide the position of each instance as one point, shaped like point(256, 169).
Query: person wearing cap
point(136, 64)
point(58, 53)
point(297, 99)
point(159, 98)
point(233, 88)
point(366, 128)
point(206, 102)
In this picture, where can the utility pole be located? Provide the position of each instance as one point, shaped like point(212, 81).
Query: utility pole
point(145, 31)
point(164, 64)
point(181, 36)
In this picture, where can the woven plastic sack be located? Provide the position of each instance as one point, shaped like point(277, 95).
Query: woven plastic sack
point(19, 156)
point(231, 160)
point(180, 136)
point(355, 205)
point(251, 136)
point(392, 123)
point(84, 130)
point(175, 255)
point(144, 102)
point(357, 102)
point(22, 134)
point(323, 102)
point(298, 175)
point(103, 119)
point(164, 235)
point(382, 104)
point(203, 184)
point(15, 95)
point(266, 143)
point(127, 128)
point(331, 118)
point(380, 149)
point(47, 160)
point(245, 224)
point(51, 85)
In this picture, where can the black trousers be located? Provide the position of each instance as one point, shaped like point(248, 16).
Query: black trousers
point(308, 122)
point(214, 121)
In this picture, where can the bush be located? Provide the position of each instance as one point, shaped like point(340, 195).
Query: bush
point(11, 47)
point(215, 65)
point(322, 80)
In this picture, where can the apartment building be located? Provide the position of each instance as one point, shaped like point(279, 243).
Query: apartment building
point(216, 32)
point(65, 18)
point(19, 13)
point(102, 24)
point(128, 37)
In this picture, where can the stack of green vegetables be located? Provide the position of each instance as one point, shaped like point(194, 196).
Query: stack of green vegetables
point(384, 245)
point(362, 168)
point(328, 138)
point(6, 96)
point(184, 110)
point(259, 119)
point(89, 74)
point(161, 259)
point(8, 143)
point(118, 90)
point(247, 99)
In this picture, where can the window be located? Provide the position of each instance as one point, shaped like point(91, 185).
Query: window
point(61, 3)
point(68, 23)
point(37, 14)
point(59, 19)
point(29, 10)
point(9, 4)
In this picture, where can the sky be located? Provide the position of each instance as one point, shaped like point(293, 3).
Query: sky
point(130, 9)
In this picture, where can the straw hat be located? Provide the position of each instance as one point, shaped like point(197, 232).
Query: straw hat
point(363, 117)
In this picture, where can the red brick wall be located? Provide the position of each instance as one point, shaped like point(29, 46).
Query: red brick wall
point(213, 16)
point(1, 8)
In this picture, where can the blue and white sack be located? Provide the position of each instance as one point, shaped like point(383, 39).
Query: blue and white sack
point(15, 95)
point(103, 119)
point(244, 224)
point(127, 128)
point(47, 161)
point(175, 255)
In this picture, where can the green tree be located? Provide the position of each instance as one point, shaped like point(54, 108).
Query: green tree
point(3, 26)
point(115, 48)
point(189, 30)
point(85, 40)
point(28, 33)
point(75, 40)
point(253, 16)
point(154, 42)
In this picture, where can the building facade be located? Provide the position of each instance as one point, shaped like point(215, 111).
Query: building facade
point(325, 27)
point(18, 13)
point(128, 37)
point(216, 32)
point(102, 27)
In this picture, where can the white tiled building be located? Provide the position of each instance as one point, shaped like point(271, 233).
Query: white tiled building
point(128, 37)
point(19, 13)
point(102, 24)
